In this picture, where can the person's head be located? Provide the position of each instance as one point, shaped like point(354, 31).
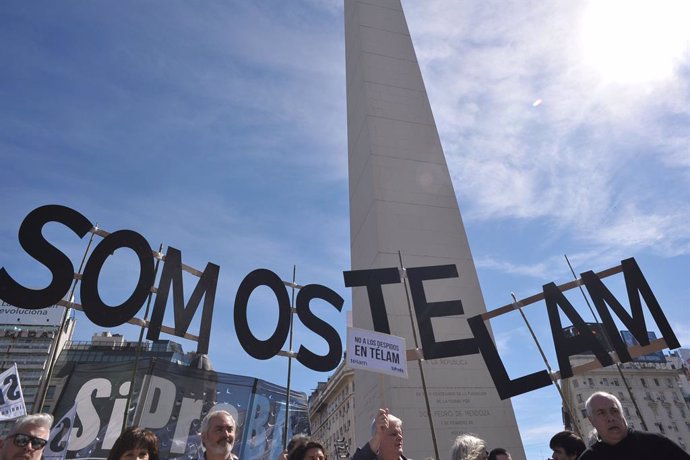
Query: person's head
point(605, 413)
point(566, 445)
point(296, 441)
point(310, 450)
point(499, 453)
point(27, 438)
point(469, 447)
point(391, 447)
point(218, 434)
point(135, 444)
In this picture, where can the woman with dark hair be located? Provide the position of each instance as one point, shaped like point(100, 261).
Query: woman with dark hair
point(135, 444)
point(310, 450)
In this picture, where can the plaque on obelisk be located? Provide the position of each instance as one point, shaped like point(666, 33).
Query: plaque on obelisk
point(403, 206)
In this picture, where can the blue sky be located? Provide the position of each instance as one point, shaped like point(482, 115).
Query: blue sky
point(219, 128)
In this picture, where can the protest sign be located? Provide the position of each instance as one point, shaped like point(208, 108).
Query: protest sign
point(56, 449)
point(171, 400)
point(376, 352)
point(11, 397)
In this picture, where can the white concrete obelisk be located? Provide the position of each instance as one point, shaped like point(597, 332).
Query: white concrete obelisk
point(402, 199)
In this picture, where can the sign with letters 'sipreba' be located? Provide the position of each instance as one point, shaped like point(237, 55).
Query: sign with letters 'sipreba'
point(171, 400)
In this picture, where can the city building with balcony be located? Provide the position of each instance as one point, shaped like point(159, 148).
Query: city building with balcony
point(650, 390)
point(29, 338)
point(332, 415)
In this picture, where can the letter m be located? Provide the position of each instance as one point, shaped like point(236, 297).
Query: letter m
point(206, 287)
point(636, 286)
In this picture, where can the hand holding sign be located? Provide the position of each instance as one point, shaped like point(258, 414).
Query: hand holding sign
point(381, 422)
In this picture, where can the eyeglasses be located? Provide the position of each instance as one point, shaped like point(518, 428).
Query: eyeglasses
point(22, 440)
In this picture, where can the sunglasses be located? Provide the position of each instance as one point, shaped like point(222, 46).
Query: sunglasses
point(22, 440)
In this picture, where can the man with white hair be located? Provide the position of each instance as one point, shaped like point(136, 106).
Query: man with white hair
point(386, 441)
point(27, 438)
point(617, 441)
point(218, 435)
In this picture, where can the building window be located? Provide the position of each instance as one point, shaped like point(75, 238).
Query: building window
point(656, 382)
point(644, 383)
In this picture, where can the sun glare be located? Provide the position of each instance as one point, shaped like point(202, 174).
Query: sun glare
point(632, 41)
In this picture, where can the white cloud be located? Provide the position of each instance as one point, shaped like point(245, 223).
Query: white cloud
point(604, 164)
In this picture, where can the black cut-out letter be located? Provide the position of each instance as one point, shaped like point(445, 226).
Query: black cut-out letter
point(373, 279)
point(96, 310)
point(206, 287)
point(636, 285)
point(262, 349)
point(601, 296)
point(506, 387)
point(424, 311)
point(582, 342)
point(32, 241)
point(305, 356)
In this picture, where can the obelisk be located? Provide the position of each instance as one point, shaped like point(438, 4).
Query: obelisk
point(402, 202)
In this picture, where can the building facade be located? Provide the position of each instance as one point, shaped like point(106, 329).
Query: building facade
point(655, 387)
point(332, 414)
point(29, 338)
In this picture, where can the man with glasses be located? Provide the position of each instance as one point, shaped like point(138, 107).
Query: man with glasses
point(28, 437)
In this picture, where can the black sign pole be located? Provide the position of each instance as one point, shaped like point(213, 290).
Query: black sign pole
point(137, 354)
point(38, 405)
point(289, 373)
point(608, 345)
point(419, 360)
point(567, 407)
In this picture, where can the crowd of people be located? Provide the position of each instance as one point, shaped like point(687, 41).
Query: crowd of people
point(614, 440)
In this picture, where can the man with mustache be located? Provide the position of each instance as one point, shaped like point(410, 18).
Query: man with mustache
point(218, 435)
point(387, 439)
point(617, 441)
point(27, 438)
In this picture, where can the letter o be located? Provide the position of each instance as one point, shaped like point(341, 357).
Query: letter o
point(96, 310)
point(262, 349)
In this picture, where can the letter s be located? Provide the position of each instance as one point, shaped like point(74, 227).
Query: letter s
point(31, 239)
point(335, 347)
point(87, 413)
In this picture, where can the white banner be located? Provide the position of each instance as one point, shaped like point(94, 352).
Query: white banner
point(11, 315)
point(11, 397)
point(376, 352)
point(56, 449)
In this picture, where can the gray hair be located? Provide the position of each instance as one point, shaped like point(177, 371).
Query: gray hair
point(214, 413)
point(42, 420)
point(602, 394)
point(391, 419)
point(467, 446)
